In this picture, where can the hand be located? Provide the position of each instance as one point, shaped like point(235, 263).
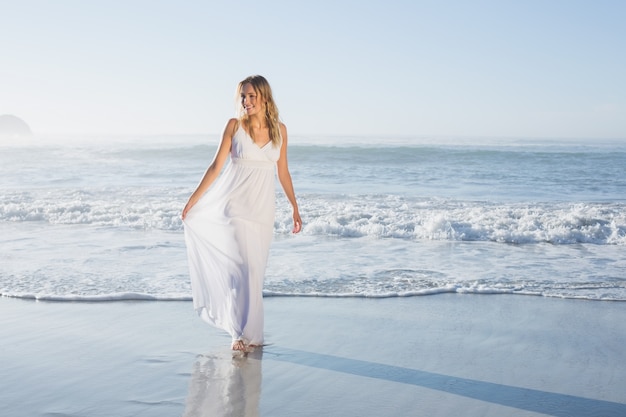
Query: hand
point(297, 222)
point(188, 207)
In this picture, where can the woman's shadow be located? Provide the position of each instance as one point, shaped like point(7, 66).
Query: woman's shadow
point(225, 385)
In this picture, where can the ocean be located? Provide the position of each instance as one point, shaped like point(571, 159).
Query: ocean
point(97, 218)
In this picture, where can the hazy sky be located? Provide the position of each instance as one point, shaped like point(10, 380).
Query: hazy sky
point(546, 68)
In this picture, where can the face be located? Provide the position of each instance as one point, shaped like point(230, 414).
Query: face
point(251, 101)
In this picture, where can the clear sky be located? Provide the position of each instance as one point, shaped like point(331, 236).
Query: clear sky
point(526, 68)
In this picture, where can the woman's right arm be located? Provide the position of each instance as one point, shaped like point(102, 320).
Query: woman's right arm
point(216, 166)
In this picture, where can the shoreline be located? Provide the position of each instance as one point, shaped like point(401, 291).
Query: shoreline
point(267, 294)
point(441, 355)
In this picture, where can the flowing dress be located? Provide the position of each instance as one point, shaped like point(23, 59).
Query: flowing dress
point(228, 233)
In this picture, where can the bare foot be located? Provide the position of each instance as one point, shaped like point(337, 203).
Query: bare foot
point(239, 345)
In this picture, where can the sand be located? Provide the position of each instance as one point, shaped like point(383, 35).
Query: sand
point(443, 355)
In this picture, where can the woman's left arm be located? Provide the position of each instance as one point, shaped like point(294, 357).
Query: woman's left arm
point(285, 180)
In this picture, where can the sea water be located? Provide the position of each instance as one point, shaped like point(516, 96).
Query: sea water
point(98, 218)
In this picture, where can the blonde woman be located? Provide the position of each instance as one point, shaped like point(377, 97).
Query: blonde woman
point(229, 220)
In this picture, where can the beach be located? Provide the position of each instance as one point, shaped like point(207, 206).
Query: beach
point(441, 355)
point(456, 178)
point(430, 279)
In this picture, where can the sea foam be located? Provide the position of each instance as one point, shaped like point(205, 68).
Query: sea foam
point(375, 216)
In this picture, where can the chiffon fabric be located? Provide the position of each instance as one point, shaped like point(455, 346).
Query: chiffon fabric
point(228, 235)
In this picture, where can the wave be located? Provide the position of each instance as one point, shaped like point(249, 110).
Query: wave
point(136, 208)
point(129, 296)
point(593, 293)
point(439, 219)
point(344, 216)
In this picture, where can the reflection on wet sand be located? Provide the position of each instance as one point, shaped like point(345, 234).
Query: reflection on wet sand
point(225, 385)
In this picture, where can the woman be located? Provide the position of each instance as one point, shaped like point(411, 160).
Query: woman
point(229, 222)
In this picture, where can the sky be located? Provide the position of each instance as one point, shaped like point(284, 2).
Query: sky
point(524, 69)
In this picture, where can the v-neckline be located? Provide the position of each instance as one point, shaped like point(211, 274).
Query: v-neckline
point(252, 140)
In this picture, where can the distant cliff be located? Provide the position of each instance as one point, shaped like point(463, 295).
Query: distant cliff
point(13, 127)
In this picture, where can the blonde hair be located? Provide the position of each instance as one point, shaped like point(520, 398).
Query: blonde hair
point(263, 89)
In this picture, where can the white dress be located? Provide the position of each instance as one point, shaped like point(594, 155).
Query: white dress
point(228, 235)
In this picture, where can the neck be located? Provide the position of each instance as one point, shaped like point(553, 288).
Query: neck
point(256, 122)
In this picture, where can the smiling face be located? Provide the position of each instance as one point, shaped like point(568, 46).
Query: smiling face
point(251, 101)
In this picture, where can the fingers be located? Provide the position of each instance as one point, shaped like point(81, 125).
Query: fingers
point(185, 211)
point(297, 225)
point(187, 208)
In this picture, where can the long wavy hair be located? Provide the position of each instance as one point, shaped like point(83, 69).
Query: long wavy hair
point(264, 91)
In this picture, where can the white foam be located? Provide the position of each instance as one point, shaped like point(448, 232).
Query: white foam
point(96, 298)
point(438, 219)
point(382, 216)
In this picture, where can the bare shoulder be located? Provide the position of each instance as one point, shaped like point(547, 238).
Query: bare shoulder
point(232, 126)
point(227, 135)
point(283, 130)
